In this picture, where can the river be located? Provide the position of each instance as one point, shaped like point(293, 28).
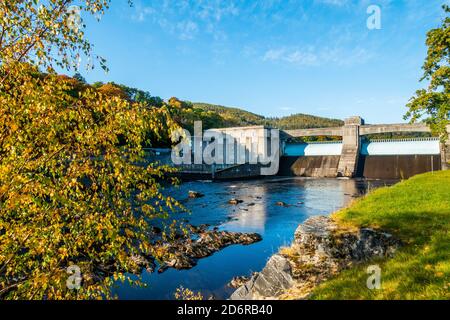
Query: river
point(276, 224)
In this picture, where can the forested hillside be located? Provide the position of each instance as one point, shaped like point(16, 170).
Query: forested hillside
point(239, 117)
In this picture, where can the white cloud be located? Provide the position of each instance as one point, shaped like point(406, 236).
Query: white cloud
point(141, 13)
point(186, 18)
point(302, 57)
point(274, 55)
point(311, 56)
point(187, 30)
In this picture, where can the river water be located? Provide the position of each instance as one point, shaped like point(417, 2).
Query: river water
point(276, 224)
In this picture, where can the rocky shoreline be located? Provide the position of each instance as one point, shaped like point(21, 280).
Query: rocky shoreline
point(181, 252)
point(185, 252)
point(321, 249)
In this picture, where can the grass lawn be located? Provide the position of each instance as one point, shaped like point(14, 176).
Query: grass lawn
point(418, 212)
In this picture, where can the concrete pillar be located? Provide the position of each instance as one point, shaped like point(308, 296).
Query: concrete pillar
point(447, 146)
point(350, 147)
point(445, 152)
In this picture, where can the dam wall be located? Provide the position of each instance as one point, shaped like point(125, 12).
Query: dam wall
point(309, 166)
point(314, 159)
point(374, 159)
point(396, 166)
point(400, 159)
point(370, 167)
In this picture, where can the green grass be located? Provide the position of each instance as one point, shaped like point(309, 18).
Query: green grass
point(418, 212)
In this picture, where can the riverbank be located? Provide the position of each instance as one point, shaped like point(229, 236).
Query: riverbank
point(329, 258)
point(417, 211)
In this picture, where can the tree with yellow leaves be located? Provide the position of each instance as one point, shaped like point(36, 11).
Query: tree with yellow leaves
point(76, 197)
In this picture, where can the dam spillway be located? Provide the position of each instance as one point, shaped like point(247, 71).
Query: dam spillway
point(399, 159)
point(378, 159)
point(415, 146)
point(311, 159)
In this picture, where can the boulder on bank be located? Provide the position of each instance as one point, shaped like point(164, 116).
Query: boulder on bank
point(326, 238)
point(237, 282)
point(270, 282)
point(321, 249)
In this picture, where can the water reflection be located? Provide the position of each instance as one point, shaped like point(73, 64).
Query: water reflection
point(258, 213)
point(250, 215)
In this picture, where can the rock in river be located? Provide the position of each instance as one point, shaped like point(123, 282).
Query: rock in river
point(235, 201)
point(282, 204)
point(195, 194)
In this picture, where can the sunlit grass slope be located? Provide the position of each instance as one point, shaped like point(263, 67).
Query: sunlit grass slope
point(418, 212)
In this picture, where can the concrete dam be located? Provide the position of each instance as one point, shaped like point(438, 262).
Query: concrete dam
point(234, 152)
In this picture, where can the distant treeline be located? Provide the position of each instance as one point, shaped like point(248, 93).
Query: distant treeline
point(239, 117)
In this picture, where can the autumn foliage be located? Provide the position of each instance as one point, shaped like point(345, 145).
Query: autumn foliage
point(73, 187)
point(75, 190)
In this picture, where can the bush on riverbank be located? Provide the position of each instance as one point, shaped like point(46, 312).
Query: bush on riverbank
point(418, 212)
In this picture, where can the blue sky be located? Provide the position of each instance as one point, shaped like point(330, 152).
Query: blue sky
point(272, 57)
